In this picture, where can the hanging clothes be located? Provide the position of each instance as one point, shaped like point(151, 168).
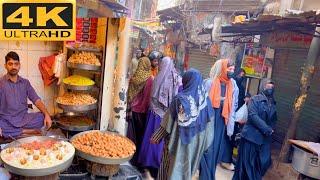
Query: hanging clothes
point(46, 65)
point(60, 67)
point(187, 129)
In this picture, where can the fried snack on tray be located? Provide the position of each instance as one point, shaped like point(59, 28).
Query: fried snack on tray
point(77, 80)
point(104, 145)
point(76, 99)
point(36, 145)
point(85, 58)
point(76, 121)
point(38, 154)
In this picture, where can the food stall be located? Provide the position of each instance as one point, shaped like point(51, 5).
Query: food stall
point(85, 77)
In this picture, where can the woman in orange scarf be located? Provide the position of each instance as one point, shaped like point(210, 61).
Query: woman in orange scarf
point(223, 93)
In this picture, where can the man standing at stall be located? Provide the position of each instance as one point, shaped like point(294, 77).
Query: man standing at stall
point(14, 93)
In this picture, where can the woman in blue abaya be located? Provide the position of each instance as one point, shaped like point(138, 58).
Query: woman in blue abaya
point(254, 157)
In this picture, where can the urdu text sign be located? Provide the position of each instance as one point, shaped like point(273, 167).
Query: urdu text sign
point(41, 20)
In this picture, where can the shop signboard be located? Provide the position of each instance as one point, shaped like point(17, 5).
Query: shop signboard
point(286, 39)
point(253, 61)
point(41, 20)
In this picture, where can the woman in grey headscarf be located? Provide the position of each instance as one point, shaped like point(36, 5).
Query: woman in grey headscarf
point(254, 157)
point(165, 88)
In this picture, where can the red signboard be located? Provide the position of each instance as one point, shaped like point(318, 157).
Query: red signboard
point(286, 40)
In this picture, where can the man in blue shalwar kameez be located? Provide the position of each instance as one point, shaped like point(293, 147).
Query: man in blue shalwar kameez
point(14, 92)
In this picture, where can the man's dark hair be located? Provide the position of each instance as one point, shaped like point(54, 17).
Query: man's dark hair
point(12, 55)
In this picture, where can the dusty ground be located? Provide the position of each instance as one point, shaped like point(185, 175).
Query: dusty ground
point(281, 172)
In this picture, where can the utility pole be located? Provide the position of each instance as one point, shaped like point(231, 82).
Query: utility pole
point(140, 8)
point(301, 97)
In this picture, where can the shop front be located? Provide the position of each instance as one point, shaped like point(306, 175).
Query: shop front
point(291, 51)
point(74, 54)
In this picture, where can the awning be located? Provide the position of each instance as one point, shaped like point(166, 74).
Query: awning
point(173, 13)
point(153, 24)
point(304, 23)
point(151, 28)
point(115, 6)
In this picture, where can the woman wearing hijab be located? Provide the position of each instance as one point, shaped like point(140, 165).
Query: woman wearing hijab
point(254, 153)
point(165, 88)
point(240, 79)
point(223, 93)
point(139, 93)
point(187, 129)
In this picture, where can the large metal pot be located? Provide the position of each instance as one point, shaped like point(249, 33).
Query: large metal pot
point(306, 163)
point(40, 171)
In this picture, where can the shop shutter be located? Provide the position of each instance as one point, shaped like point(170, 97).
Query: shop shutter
point(309, 125)
point(287, 72)
point(201, 61)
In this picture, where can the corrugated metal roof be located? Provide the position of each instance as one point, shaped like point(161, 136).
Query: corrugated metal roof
point(303, 23)
point(115, 6)
point(225, 5)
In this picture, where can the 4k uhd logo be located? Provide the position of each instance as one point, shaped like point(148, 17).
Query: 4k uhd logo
point(38, 20)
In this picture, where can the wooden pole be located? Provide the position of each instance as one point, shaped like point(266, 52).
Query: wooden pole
point(301, 97)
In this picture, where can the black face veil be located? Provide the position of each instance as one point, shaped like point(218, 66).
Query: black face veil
point(263, 84)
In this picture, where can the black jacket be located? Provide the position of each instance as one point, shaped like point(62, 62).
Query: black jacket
point(261, 120)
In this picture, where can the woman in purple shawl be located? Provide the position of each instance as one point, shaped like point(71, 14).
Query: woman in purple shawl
point(165, 87)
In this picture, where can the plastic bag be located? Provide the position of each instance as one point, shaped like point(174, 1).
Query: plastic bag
point(242, 114)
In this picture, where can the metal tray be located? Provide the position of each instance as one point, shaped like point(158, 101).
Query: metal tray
point(36, 172)
point(80, 108)
point(89, 49)
point(59, 115)
point(75, 128)
point(83, 66)
point(100, 160)
point(79, 88)
point(71, 128)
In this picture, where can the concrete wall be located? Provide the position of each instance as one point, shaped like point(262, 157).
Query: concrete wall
point(311, 5)
point(304, 5)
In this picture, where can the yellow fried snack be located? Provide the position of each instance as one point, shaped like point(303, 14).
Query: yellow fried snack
point(77, 80)
point(104, 145)
point(76, 99)
point(85, 58)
